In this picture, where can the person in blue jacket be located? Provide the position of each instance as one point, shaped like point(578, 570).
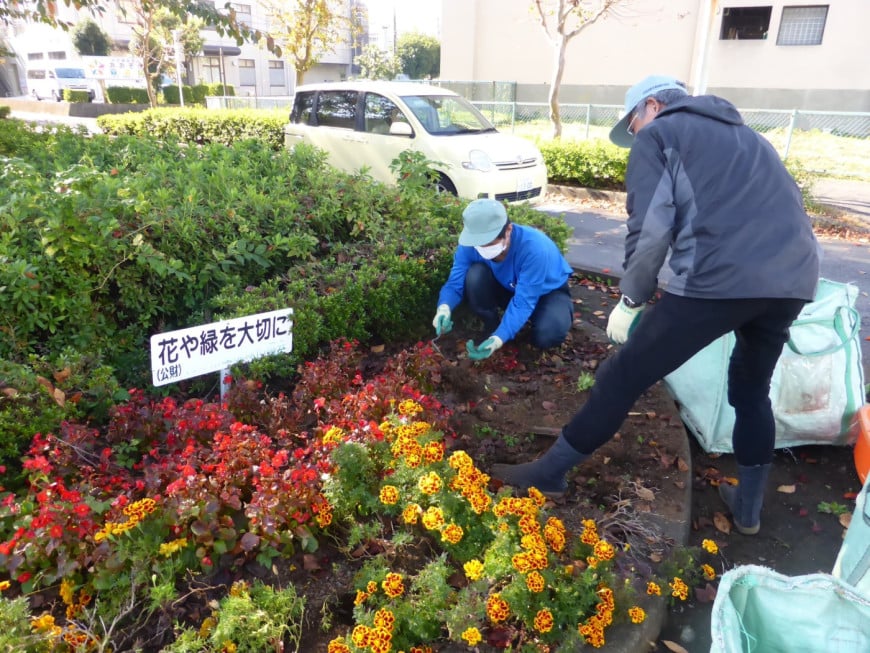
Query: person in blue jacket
point(715, 194)
point(502, 266)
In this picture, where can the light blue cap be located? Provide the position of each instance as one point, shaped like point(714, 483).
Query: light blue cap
point(484, 219)
point(645, 88)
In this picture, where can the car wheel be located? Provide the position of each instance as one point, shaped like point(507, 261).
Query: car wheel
point(444, 185)
point(57, 96)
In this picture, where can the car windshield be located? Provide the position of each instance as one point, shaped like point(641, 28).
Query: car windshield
point(447, 115)
point(70, 73)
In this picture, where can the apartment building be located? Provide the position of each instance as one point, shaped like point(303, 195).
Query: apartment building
point(250, 69)
point(779, 54)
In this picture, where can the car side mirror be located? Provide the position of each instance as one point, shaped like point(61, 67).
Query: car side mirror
point(401, 129)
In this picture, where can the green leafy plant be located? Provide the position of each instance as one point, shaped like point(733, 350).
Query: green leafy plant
point(833, 508)
point(585, 381)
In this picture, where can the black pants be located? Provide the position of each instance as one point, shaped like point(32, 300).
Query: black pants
point(670, 333)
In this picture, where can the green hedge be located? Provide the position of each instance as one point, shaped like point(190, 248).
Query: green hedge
point(592, 163)
point(196, 94)
point(76, 96)
point(200, 126)
point(127, 95)
point(4, 111)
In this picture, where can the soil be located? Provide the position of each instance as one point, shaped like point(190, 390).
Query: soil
point(510, 408)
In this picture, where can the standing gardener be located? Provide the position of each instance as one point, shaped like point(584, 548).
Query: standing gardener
point(501, 266)
point(712, 191)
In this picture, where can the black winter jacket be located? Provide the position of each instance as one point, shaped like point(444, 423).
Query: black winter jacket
point(714, 192)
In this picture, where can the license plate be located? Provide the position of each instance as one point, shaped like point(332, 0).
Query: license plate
point(524, 184)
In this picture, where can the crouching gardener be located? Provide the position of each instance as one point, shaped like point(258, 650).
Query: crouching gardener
point(504, 266)
point(715, 193)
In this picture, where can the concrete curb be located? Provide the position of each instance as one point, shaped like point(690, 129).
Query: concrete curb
point(583, 193)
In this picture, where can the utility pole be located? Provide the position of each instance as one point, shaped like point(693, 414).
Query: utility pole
point(179, 55)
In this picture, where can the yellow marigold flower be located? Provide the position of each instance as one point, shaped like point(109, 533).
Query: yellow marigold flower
point(604, 550)
point(497, 609)
point(384, 619)
point(679, 589)
point(529, 525)
point(207, 627)
point(141, 507)
point(452, 533)
point(360, 636)
point(380, 640)
point(333, 435)
point(480, 501)
point(420, 428)
point(537, 496)
point(324, 517)
point(429, 483)
point(338, 645)
point(589, 536)
point(459, 460)
point(535, 582)
point(360, 597)
point(393, 585)
point(67, 591)
point(592, 561)
point(521, 562)
point(389, 495)
point(636, 614)
point(434, 452)
point(409, 408)
point(709, 572)
point(371, 587)
point(472, 636)
point(433, 518)
point(239, 588)
point(4, 585)
point(229, 647)
point(42, 623)
point(168, 548)
point(710, 547)
point(653, 589)
point(411, 513)
point(473, 569)
point(594, 635)
point(544, 621)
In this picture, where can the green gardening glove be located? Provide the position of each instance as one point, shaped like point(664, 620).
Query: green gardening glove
point(484, 350)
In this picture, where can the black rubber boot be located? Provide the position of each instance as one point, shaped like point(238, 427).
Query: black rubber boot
point(547, 473)
point(745, 500)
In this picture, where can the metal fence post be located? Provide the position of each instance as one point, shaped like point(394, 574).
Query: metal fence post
point(588, 119)
point(791, 125)
point(513, 115)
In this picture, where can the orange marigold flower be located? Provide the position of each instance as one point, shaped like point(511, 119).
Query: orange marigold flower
point(433, 518)
point(544, 621)
point(679, 589)
point(537, 496)
point(653, 589)
point(497, 608)
point(371, 587)
point(710, 547)
point(4, 585)
point(472, 636)
point(521, 562)
point(429, 483)
point(452, 533)
point(604, 550)
point(535, 582)
point(360, 597)
point(434, 451)
point(460, 460)
point(360, 636)
point(411, 513)
point(709, 572)
point(389, 495)
point(636, 614)
point(410, 408)
point(384, 619)
point(338, 645)
point(393, 585)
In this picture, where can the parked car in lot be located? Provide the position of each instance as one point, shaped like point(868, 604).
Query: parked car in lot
point(368, 124)
point(50, 81)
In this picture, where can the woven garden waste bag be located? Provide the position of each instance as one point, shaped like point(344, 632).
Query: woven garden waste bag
point(816, 389)
point(853, 561)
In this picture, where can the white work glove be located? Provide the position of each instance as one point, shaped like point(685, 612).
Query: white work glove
point(442, 322)
point(622, 321)
point(485, 350)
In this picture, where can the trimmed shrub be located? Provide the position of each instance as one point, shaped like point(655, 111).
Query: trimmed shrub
point(5, 111)
point(170, 94)
point(593, 163)
point(217, 89)
point(126, 95)
point(76, 96)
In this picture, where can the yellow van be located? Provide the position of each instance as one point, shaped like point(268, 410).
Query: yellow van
point(368, 124)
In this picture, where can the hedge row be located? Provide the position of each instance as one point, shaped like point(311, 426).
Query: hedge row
point(196, 94)
point(70, 95)
point(126, 95)
point(5, 111)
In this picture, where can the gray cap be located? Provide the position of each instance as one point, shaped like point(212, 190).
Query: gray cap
point(484, 219)
point(645, 88)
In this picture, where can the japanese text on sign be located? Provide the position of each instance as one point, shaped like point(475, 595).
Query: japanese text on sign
point(183, 354)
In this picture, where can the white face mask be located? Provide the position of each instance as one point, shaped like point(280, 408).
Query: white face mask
point(489, 252)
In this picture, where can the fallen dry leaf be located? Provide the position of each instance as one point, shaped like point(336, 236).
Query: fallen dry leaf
point(786, 489)
point(63, 375)
point(309, 562)
point(59, 397)
point(377, 349)
point(720, 521)
point(673, 646)
point(548, 405)
point(10, 392)
point(845, 519)
point(682, 465)
point(645, 494)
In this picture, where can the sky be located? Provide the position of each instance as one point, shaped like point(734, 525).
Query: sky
point(411, 16)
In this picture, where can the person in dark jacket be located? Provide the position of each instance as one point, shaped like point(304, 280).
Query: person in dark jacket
point(501, 266)
point(707, 188)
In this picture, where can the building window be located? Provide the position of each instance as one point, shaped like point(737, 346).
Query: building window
point(211, 69)
point(34, 56)
point(802, 25)
point(57, 55)
point(276, 73)
point(243, 13)
point(745, 23)
point(247, 72)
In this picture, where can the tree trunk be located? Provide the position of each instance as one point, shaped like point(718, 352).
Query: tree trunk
point(555, 114)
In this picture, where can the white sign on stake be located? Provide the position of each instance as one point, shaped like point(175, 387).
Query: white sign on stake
point(183, 354)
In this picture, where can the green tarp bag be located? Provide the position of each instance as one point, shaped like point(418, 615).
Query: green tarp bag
point(758, 610)
point(816, 389)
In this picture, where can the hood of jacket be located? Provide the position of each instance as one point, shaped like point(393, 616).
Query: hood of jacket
point(709, 106)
